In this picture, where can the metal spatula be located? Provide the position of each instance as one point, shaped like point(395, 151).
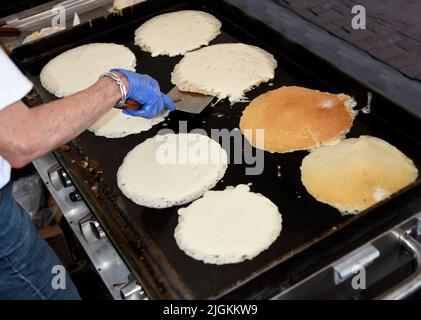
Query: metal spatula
point(184, 101)
point(189, 101)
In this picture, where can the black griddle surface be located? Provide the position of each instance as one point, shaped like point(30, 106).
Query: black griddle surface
point(305, 221)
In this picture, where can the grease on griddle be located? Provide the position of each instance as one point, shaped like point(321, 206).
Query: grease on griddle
point(95, 191)
point(65, 147)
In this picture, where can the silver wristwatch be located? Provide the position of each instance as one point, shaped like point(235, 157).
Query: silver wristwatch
point(120, 83)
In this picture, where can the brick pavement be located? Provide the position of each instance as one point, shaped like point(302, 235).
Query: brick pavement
point(393, 33)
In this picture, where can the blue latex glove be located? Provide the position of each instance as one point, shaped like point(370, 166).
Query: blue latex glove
point(145, 90)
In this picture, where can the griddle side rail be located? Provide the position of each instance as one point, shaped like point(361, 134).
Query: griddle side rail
point(391, 250)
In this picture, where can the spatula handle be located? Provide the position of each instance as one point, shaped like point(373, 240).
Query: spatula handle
point(9, 32)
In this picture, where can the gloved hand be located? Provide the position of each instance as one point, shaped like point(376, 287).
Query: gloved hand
point(145, 90)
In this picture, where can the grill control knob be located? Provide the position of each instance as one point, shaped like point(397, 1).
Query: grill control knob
point(75, 196)
point(133, 291)
point(59, 177)
point(91, 229)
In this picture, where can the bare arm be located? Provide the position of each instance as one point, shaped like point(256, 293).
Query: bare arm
point(26, 134)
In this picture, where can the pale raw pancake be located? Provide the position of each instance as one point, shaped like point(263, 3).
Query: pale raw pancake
point(41, 34)
point(171, 169)
point(356, 173)
point(80, 67)
point(116, 124)
point(228, 226)
point(224, 70)
point(177, 32)
point(296, 118)
point(121, 4)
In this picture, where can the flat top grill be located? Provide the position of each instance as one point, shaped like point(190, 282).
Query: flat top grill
point(144, 236)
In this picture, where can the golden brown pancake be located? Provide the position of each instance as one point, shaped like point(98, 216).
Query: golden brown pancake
point(296, 118)
point(356, 173)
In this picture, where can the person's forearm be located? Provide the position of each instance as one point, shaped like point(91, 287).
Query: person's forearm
point(39, 130)
point(61, 120)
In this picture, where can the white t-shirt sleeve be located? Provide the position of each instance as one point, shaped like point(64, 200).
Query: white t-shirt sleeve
point(13, 84)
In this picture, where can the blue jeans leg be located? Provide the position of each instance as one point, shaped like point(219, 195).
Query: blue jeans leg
point(29, 268)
